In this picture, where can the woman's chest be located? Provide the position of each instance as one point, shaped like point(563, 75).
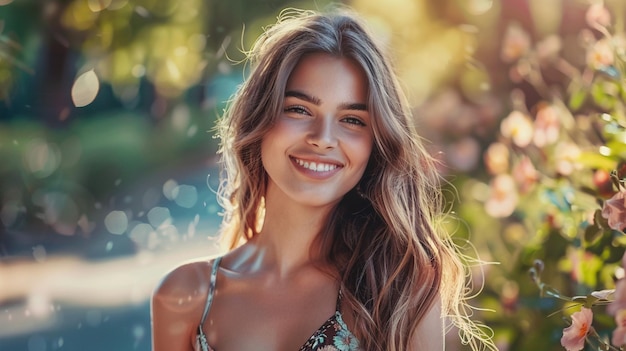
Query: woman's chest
point(245, 319)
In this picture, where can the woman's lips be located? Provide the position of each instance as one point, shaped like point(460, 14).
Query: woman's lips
point(316, 167)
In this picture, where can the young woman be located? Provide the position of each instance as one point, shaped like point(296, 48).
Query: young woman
point(331, 204)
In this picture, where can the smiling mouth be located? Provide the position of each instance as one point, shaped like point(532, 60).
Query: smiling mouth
point(316, 166)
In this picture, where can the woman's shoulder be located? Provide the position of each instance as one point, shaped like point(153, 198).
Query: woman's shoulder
point(189, 281)
point(176, 304)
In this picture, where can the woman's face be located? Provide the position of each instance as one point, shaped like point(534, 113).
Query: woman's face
point(320, 145)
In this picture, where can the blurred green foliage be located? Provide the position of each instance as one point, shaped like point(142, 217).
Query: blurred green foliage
point(555, 158)
point(163, 69)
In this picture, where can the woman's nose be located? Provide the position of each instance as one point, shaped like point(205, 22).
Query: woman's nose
point(322, 134)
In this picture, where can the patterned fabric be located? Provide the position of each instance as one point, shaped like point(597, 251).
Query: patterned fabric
point(333, 335)
point(202, 344)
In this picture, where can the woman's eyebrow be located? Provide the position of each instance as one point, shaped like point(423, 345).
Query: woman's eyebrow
point(306, 97)
point(317, 101)
point(353, 106)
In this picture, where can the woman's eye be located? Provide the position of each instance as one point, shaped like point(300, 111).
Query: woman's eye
point(297, 109)
point(355, 121)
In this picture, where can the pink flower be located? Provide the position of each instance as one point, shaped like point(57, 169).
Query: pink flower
point(525, 174)
point(574, 336)
point(619, 301)
point(597, 14)
point(614, 209)
point(618, 309)
point(497, 158)
point(518, 127)
point(566, 157)
point(547, 126)
point(600, 55)
point(516, 43)
point(619, 334)
point(503, 197)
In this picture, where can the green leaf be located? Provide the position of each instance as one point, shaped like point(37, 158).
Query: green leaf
point(577, 99)
point(592, 234)
point(581, 299)
point(604, 93)
point(600, 221)
point(618, 147)
point(596, 161)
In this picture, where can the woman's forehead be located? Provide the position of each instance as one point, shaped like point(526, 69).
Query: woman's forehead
point(327, 77)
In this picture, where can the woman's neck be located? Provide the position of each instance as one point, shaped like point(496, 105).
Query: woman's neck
point(286, 242)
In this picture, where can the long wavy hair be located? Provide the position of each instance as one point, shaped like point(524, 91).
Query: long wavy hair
point(392, 259)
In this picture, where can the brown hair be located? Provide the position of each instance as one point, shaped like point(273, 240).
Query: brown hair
point(393, 260)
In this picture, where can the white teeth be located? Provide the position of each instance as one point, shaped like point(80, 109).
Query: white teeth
point(317, 167)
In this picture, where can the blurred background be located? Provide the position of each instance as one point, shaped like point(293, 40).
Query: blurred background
point(108, 159)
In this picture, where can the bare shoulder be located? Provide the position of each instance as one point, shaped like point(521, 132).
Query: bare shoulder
point(176, 305)
point(184, 287)
point(190, 277)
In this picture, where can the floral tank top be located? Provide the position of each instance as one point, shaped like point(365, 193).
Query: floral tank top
point(333, 335)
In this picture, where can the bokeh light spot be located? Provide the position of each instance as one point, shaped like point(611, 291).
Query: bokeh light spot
point(170, 189)
point(192, 131)
point(187, 196)
point(180, 117)
point(138, 71)
point(142, 11)
point(85, 89)
point(139, 332)
point(98, 5)
point(604, 151)
point(169, 231)
point(141, 233)
point(479, 7)
point(173, 70)
point(42, 158)
point(191, 230)
point(159, 216)
point(212, 209)
point(118, 4)
point(116, 222)
point(39, 304)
